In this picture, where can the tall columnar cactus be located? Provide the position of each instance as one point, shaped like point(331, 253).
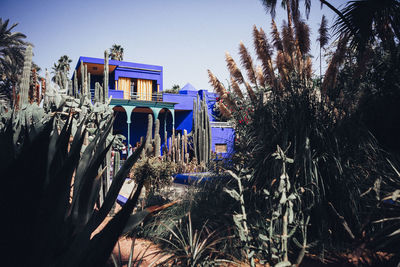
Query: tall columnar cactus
point(26, 73)
point(75, 84)
point(106, 71)
point(201, 133)
point(88, 95)
point(157, 139)
point(149, 134)
point(82, 79)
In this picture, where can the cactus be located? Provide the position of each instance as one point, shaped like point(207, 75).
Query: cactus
point(26, 72)
point(88, 94)
point(105, 84)
point(201, 133)
point(82, 78)
point(147, 148)
point(157, 139)
point(117, 162)
point(75, 94)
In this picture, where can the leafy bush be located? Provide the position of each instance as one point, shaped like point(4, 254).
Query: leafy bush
point(158, 172)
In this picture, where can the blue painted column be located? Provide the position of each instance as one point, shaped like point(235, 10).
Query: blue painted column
point(173, 118)
point(156, 112)
point(129, 110)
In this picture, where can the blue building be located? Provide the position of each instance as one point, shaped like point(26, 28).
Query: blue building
point(137, 90)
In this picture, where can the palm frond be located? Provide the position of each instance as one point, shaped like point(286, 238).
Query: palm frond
point(269, 6)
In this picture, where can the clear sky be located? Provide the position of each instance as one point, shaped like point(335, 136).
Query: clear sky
point(186, 37)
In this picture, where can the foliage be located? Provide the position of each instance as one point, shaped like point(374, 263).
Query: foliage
point(158, 173)
point(12, 46)
point(334, 159)
point(190, 247)
point(117, 52)
point(58, 188)
point(60, 68)
point(174, 90)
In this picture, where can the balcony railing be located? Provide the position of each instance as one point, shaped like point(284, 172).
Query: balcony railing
point(147, 97)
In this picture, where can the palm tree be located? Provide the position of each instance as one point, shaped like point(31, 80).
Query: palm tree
point(360, 20)
point(117, 52)
point(61, 66)
point(12, 46)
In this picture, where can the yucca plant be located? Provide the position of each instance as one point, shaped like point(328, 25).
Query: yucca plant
point(190, 247)
point(49, 193)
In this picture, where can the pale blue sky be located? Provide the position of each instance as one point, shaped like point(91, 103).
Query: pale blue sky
point(185, 37)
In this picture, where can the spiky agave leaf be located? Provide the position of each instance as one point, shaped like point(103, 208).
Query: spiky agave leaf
point(247, 63)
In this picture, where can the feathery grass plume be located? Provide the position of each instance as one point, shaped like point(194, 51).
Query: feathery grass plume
point(233, 68)
point(298, 60)
point(250, 92)
point(260, 76)
point(225, 112)
point(323, 37)
point(263, 50)
point(288, 39)
point(333, 68)
point(218, 86)
point(277, 41)
point(308, 68)
point(247, 63)
point(236, 88)
point(281, 65)
point(220, 89)
point(302, 36)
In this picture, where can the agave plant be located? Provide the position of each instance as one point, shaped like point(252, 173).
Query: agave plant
point(49, 194)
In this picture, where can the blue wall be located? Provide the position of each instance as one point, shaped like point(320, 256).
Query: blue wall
point(223, 136)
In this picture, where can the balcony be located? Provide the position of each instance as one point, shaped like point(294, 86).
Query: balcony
point(157, 97)
point(119, 94)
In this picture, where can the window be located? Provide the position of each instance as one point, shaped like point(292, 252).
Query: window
point(221, 148)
